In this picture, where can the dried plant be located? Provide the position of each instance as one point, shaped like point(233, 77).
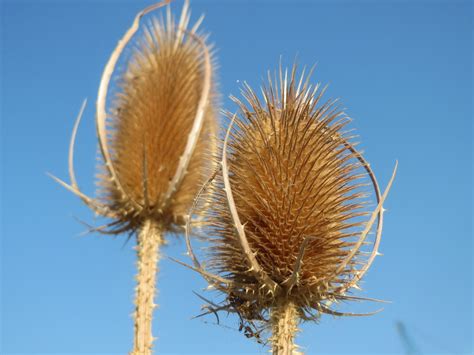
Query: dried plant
point(156, 144)
point(287, 216)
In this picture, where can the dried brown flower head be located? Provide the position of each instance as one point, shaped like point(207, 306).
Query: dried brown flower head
point(157, 139)
point(288, 215)
point(156, 142)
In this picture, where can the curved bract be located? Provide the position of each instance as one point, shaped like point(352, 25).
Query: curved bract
point(288, 217)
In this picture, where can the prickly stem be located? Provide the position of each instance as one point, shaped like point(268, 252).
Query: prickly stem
point(148, 244)
point(284, 320)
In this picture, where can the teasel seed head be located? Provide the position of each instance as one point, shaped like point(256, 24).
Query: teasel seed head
point(158, 136)
point(156, 142)
point(287, 220)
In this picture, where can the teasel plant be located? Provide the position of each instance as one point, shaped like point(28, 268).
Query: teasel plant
point(287, 212)
point(156, 143)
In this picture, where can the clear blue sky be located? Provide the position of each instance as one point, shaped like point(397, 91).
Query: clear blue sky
point(402, 68)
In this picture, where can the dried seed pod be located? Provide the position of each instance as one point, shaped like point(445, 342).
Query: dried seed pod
point(288, 217)
point(156, 143)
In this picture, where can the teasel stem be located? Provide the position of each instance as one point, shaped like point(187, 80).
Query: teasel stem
point(284, 321)
point(149, 240)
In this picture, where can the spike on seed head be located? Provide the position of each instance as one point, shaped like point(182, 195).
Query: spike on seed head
point(292, 176)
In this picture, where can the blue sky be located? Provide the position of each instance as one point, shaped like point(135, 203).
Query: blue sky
point(402, 68)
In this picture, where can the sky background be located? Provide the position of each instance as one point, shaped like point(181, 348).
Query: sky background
point(403, 69)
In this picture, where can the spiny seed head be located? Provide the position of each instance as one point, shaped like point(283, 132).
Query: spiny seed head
point(150, 124)
point(298, 187)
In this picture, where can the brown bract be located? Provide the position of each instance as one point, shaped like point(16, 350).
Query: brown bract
point(288, 210)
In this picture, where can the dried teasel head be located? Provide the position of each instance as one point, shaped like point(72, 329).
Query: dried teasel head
point(157, 138)
point(156, 142)
point(288, 217)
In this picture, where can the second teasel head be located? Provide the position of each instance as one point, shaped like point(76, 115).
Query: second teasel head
point(288, 215)
point(157, 137)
